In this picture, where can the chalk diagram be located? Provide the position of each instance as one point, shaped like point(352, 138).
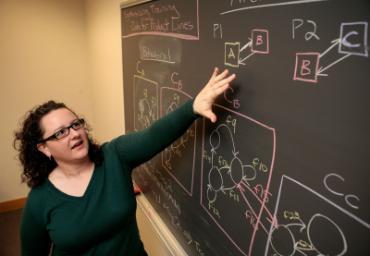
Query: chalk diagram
point(145, 102)
point(351, 42)
point(310, 231)
point(236, 175)
point(181, 153)
point(258, 43)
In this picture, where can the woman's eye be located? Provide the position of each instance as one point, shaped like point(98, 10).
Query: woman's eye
point(76, 125)
point(61, 132)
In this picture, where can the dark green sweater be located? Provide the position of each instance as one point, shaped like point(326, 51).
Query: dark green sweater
point(102, 221)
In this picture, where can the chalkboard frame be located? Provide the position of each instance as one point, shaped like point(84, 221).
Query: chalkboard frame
point(130, 3)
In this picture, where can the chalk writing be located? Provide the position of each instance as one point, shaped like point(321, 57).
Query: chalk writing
point(228, 96)
point(298, 23)
point(162, 19)
point(349, 198)
point(147, 53)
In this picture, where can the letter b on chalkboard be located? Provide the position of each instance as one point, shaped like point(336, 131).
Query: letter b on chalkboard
point(260, 41)
point(306, 66)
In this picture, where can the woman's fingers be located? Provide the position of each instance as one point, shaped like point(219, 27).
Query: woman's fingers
point(215, 72)
point(221, 89)
point(224, 81)
point(221, 76)
point(213, 76)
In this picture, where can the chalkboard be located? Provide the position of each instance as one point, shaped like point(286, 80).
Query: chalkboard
point(285, 170)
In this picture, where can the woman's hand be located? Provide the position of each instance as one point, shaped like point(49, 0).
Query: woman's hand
point(217, 84)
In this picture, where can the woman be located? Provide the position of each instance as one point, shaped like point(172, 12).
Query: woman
point(82, 200)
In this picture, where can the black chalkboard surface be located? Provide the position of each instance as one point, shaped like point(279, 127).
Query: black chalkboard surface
point(285, 169)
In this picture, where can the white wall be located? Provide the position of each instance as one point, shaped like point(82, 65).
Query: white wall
point(105, 58)
point(42, 56)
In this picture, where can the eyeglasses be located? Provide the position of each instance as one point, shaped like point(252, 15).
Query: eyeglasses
point(63, 132)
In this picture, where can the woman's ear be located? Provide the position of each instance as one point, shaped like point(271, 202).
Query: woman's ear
point(44, 149)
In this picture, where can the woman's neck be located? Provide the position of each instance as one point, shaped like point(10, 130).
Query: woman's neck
point(74, 169)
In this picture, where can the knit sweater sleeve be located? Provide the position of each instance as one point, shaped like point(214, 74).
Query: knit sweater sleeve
point(34, 237)
point(138, 147)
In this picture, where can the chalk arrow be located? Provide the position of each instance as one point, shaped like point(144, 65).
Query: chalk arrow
point(246, 45)
point(241, 62)
point(321, 69)
point(231, 135)
point(333, 44)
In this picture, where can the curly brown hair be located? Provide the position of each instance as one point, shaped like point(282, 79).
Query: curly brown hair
point(37, 166)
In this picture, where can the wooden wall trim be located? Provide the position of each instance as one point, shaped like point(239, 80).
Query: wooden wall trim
point(12, 204)
point(161, 230)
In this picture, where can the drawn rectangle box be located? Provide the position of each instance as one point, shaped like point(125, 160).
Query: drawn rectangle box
point(260, 41)
point(232, 52)
point(353, 38)
point(226, 170)
point(306, 66)
point(324, 228)
point(145, 102)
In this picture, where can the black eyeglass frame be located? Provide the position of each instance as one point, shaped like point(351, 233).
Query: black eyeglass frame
point(75, 125)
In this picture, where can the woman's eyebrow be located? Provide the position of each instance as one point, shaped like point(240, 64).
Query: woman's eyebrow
point(64, 126)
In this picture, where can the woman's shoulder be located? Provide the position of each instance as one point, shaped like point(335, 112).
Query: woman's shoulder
point(38, 194)
point(35, 209)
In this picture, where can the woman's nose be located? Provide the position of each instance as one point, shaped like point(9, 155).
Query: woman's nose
point(73, 133)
